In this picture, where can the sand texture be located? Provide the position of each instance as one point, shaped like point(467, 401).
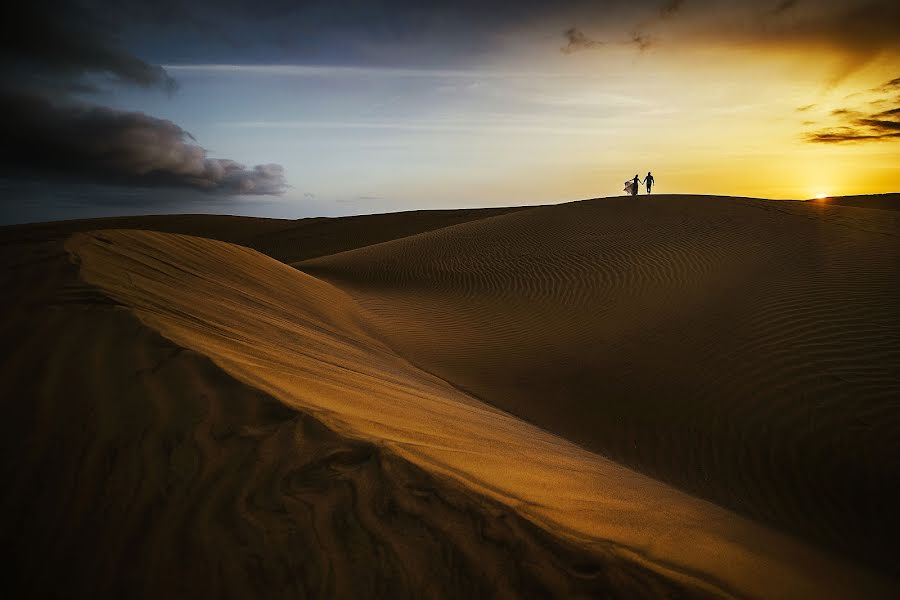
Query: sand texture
point(746, 351)
point(137, 468)
point(665, 397)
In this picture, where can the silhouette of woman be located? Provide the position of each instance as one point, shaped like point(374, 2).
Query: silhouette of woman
point(634, 186)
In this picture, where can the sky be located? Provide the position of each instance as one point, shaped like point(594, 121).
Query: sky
point(327, 108)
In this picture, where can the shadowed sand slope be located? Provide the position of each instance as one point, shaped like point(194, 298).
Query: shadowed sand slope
point(309, 344)
point(283, 239)
point(747, 351)
point(310, 238)
point(136, 468)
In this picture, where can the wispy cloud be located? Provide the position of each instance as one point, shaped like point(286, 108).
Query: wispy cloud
point(576, 40)
point(669, 8)
point(365, 71)
point(488, 127)
point(890, 86)
point(859, 125)
point(784, 6)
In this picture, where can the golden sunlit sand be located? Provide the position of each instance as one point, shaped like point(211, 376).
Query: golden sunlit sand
point(629, 397)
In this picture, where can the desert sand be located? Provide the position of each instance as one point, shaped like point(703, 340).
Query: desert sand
point(652, 397)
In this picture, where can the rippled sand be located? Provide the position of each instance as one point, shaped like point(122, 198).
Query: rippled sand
point(660, 397)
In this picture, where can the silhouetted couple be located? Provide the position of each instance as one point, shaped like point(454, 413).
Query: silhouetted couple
point(632, 186)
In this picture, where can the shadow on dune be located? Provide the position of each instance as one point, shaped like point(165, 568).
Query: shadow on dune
point(135, 468)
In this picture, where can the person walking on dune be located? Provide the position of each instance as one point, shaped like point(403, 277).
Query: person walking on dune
point(633, 187)
point(649, 180)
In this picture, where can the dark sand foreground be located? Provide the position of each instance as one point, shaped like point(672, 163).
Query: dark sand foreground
point(652, 397)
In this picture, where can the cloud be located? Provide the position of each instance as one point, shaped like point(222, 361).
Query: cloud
point(893, 84)
point(784, 6)
point(577, 41)
point(863, 126)
point(847, 134)
point(54, 51)
point(70, 141)
point(59, 42)
point(669, 8)
point(642, 40)
point(852, 31)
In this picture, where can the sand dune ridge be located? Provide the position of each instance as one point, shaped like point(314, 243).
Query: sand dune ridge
point(309, 345)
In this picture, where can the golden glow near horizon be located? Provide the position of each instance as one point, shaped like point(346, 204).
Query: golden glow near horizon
point(728, 125)
point(535, 125)
point(735, 129)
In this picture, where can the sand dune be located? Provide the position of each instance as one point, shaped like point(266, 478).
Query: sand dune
point(746, 351)
point(306, 343)
point(283, 239)
point(190, 417)
point(879, 201)
point(133, 467)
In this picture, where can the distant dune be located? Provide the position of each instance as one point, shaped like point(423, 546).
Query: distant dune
point(879, 201)
point(650, 397)
point(283, 239)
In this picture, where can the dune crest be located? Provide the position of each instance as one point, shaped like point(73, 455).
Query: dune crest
point(310, 345)
point(136, 468)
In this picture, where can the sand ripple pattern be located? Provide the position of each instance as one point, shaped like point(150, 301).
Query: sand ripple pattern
point(747, 351)
point(310, 345)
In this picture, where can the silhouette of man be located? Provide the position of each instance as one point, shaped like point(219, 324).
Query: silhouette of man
point(634, 186)
point(649, 180)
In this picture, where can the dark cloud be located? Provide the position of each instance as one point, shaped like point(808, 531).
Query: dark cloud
point(52, 43)
point(784, 6)
point(642, 40)
point(669, 8)
point(860, 126)
point(893, 84)
point(805, 108)
point(577, 40)
point(639, 37)
point(450, 29)
point(856, 31)
point(52, 52)
point(92, 143)
point(843, 135)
